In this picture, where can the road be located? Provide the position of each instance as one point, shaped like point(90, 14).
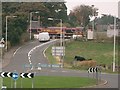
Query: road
point(35, 50)
point(20, 57)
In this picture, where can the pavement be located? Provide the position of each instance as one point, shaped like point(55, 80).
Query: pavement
point(8, 56)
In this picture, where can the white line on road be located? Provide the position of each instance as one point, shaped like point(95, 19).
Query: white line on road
point(30, 52)
point(16, 51)
point(29, 61)
point(44, 52)
point(64, 71)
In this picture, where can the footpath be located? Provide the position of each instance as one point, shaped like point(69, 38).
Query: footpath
point(8, 56)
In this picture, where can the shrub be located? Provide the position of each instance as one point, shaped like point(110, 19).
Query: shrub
point(85, 64)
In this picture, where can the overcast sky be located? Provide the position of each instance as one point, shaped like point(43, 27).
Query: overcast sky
point(104, 6)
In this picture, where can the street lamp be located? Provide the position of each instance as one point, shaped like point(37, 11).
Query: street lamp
point(93, 19)
point(61, 35)
point(31, 21)
point(114, 44)
point(60, 29)
point(114, 40)
point(6, 29)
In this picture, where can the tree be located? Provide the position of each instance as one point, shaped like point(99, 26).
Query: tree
point(56, 10)
point(105, 20)
point(72, 20)
point(82, 14)
point(18, 26)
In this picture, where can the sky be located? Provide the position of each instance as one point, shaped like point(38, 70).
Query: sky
point(109, 7)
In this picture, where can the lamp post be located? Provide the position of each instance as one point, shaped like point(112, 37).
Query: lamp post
point(60, 29)
point(93, 19)
point(114, 44)
point(61, 37)
point(31, 22)
point(7, 30)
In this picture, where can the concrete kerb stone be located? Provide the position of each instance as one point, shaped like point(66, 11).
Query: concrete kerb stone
point(104, 81)
point(101, 84)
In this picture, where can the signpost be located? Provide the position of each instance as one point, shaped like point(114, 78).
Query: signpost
point(5, 74)
point(15, 76)
point(28, 75)
point(58, 51)
point(94, 70)
point(2, 45)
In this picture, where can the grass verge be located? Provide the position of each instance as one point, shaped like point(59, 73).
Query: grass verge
point(52, 82)
point(100, 52)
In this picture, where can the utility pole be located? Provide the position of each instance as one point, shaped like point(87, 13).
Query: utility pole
point(31, 23)
point(7, 30)
point(114, 44)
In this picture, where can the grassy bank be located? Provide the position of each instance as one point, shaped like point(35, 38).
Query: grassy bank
point(52, 82)
point(102, 53)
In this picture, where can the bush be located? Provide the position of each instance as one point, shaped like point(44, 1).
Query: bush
point(102, 37)
point(85, 64)
point(24, 38)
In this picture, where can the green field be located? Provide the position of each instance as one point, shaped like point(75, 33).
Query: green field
point(100, 52)
point(52, 82)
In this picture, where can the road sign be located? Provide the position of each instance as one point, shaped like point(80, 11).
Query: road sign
point(2, 45)
point(93, 69)
point(2, 41)
point(15, 75)
point(3, 88)
point(5, 74)
point(58, 51)
point(27, 75)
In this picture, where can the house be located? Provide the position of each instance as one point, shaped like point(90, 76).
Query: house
point(110, 31)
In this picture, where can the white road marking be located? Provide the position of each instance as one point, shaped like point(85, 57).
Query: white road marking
point(39, 68)
point(53, 71)
point(64, 71)
point(44, 52)
point(16, 51)
point(30, 52)
point(29, 61)
point(32, 68)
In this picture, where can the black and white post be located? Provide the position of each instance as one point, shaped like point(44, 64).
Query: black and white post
point(28, 75)
point(94, 70)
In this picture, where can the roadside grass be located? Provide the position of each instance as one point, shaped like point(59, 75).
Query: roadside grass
point(100, 52)
point(52, 82)
point(51, 58)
